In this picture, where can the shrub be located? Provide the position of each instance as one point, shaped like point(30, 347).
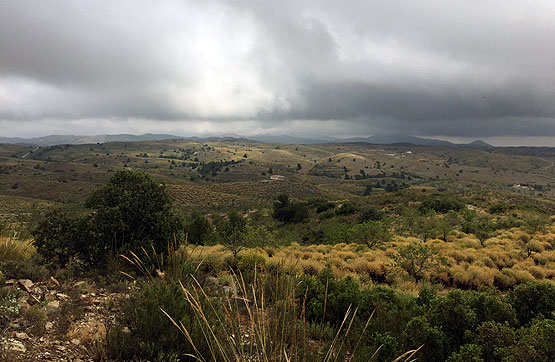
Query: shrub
point(287, 211)
point(493, 337)
point(32, 268)
point(535, 223)
point(417, 259)
point(152, 334)
point(346, 208)
point(35, 320)
point(60, 237)
point(371, 213)
point(533, 299)
point(132, 211)
point(499, 208)
point(491, 306)
point(441, 205)
point(418, 332)
point(324, 206)
point(389, 346)
point(250, 261)
point(467, 353)
point(198, 229)
point(535, 343)
point(327, 298)
point(454, 315)
point(9, 306)
point(371, 233)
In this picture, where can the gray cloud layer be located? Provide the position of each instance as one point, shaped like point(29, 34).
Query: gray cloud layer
point(457, 68)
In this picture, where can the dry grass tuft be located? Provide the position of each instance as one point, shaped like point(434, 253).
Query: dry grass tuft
point(18, 250)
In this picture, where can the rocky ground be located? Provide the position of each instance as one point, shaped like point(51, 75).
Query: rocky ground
point(51, 321)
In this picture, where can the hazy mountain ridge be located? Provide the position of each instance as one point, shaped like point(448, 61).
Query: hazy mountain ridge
point(53, 140)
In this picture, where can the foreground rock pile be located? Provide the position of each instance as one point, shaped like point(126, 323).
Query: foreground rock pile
point(51, 321)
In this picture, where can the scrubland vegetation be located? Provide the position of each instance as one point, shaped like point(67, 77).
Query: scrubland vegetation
point(318, 268)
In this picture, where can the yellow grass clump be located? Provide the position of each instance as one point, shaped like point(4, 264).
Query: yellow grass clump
point(13, 249)
point(511, 257)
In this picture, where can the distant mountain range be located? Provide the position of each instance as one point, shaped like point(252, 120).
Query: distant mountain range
point(79, 140)
point(376, 139)
point(392, 139)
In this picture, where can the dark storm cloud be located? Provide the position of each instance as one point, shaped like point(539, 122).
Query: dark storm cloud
point(458, 68)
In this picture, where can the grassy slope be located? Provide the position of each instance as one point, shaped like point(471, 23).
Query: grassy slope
point(66, 174)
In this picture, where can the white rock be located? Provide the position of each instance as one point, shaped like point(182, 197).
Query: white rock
point(14, 345)
point(21, 335)
point(52, 306)
point(27, 284)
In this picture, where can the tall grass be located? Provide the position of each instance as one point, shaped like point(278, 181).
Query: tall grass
point(16, 250)
point(261, 319)
point(257, 328)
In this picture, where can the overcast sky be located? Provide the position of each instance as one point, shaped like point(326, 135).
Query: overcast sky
point(451, 69)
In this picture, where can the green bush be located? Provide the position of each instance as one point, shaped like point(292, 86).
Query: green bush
point(248, 262)
point(371, 213)
point(494, 337)
point(467, 353)
point(534, 343)
point(130, 212)
point(287, 211)
point(454, 315)
point(324, 206)
point(59, 237)
point(533, 299)
point(198, 229)
point(336, 295)
point(347, 208)
point(24, 269)
point(418, 332)
point(151, 334)
point(441, 205)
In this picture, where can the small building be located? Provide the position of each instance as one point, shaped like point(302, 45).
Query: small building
point(277, 178)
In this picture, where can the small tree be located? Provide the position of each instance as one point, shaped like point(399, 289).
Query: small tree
point(536, 223)
point(427, 227)
point(198, 229)
point(371, 233)
point(232, 231)
point(417, 259)
point(289, 212)
point(444, 228)
point(481, 226)
point(371, 213)
point(367, 190)
point(529, 245)
point(259, 235)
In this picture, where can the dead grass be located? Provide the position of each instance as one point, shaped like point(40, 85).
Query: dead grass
point(17, 250)
point(502, 262)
